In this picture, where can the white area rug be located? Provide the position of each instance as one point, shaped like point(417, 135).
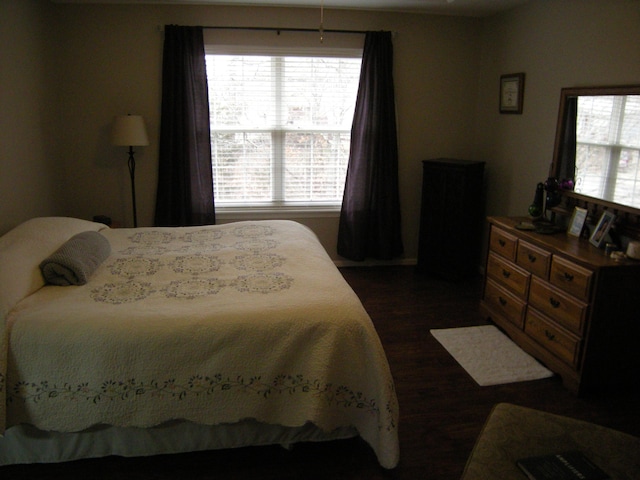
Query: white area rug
point(489, 356)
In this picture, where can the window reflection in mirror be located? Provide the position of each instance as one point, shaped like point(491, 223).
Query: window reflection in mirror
point(607, 164)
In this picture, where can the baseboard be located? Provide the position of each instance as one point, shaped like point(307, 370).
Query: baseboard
point(375, 263)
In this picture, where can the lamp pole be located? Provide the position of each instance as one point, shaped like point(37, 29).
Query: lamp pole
point(132, 174)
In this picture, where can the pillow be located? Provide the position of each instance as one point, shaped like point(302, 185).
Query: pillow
point(23, 248)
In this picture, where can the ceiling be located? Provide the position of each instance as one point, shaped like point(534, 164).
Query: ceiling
point(475, 8)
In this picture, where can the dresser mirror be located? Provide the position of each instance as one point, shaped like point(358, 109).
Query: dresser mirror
point(597, 152)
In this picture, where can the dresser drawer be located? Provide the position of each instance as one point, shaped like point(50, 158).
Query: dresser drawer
point(503, 243)
point(561, 343)
point(567, 311)
point(570, 277)
point(533, 259)
point(508, 275)
point(505, 303)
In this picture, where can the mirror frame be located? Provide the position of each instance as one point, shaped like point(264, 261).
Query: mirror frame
point(627, 217)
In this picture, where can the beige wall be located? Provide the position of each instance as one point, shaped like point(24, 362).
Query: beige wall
point(110, 59)
point(557, 44)
point(28, 178)
point(107, 61)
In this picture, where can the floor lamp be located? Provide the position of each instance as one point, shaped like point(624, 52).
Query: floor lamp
point(129, 131)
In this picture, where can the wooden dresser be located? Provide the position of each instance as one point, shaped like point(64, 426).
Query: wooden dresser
point(566, 303)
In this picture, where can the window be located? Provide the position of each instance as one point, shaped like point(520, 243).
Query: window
point(608, 148)
point(280, 127)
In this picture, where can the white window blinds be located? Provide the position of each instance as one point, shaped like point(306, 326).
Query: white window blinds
point(608, 149)
point(280, 127)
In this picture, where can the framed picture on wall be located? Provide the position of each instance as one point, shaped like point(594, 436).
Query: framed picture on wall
point(601, 230)
point(511, 93)
point(577, 221)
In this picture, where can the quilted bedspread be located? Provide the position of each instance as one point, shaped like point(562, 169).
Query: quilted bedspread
point(209, 324)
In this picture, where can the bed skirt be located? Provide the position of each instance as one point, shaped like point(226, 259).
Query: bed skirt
point(25, 444)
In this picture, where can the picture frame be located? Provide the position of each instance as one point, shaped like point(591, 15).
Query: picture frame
point(511, 93)
point(600, 232)
point(576, 224)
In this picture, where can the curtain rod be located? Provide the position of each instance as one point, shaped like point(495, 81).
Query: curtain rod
point(286, 29)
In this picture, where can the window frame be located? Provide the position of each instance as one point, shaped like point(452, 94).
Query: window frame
point(277, 208)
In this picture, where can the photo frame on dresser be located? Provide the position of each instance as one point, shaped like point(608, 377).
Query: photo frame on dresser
point(601, 230)
point(576, 224)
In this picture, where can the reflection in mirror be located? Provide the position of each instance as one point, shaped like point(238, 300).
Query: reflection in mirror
point(608, 148)
point(598, 144)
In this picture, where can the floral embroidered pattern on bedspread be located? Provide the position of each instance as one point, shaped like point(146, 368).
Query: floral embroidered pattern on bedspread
point(133, 266)
point(112, 390)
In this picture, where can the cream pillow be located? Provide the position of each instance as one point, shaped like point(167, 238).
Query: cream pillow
point(23, 248)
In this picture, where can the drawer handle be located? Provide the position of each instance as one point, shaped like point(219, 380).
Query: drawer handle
point(532, 258)
point(549, 335)
point(502, 301)
point(506, 273)
point(568, 277)
point(554, 303)
point(502, 242)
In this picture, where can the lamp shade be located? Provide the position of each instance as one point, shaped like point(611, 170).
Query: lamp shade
point(129, 131)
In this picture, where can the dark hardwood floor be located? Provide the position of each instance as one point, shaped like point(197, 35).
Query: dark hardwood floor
point(442, 408)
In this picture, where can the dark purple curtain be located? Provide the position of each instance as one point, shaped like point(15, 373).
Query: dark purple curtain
point(370, 216)
point(568, 141)
point(185, 178)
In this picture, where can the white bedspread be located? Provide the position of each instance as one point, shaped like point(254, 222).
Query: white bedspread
point(213, 325)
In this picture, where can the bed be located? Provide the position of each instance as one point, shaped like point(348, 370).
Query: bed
point(185, 339)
